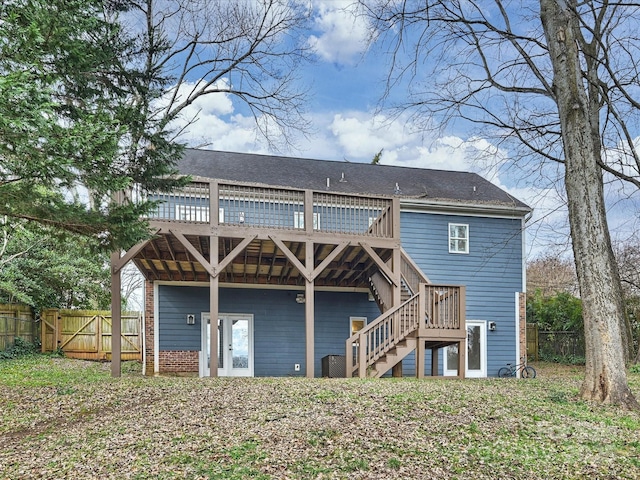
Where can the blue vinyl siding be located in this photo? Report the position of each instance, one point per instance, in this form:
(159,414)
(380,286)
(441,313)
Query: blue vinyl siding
(491,271)
(279,323)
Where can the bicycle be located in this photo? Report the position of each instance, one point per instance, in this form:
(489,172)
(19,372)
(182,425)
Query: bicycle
(511,370)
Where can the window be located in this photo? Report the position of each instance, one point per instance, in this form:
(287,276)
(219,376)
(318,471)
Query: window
(357,324)
(192,213)
(458,238)
(298,220)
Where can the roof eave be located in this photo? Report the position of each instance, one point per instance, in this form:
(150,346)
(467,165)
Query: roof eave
(443,206)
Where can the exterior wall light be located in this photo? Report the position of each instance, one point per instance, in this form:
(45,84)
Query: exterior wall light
(492,326)
(300,298)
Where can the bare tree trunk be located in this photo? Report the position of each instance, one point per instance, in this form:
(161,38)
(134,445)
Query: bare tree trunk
(605,378)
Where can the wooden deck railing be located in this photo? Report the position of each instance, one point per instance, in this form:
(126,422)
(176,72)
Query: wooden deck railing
(276,208)
(445,305)
(443,309)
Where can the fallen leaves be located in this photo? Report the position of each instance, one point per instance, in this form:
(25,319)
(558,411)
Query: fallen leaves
(137,427)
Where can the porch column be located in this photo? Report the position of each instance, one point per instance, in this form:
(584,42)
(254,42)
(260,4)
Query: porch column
(214,306)
(214,283)
(396,371)
(420,358)
(434,362)
(116,316)
(309,313)
(462,358)
(422,331)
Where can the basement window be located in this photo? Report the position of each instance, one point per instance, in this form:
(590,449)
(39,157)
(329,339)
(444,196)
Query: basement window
(458,238)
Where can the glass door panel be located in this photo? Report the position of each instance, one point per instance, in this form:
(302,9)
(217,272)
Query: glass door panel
(476,352)
(235,345)
(240,344)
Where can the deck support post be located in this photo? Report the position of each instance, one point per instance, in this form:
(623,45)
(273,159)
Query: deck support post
(462,358)
(434,361)
(116,316)
(214,280)
(420,358)
(214,306)
(309,314)
(396,370)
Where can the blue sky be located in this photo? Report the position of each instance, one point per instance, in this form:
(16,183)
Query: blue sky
(346,86)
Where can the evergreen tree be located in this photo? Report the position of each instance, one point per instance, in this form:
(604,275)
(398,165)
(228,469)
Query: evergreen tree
(75,122)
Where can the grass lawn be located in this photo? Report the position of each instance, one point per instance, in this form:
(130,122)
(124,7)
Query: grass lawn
(62,418)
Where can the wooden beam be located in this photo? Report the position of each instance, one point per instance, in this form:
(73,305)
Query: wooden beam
(233,254)
(132,252)
(193,251)
(116,317)
(214,306)
(169,247)
(329,258)
(309,315)
(434,362)
(292,258)
(380,263)
(258,262)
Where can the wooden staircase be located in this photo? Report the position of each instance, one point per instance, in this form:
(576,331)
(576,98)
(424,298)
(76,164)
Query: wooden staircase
(428,313)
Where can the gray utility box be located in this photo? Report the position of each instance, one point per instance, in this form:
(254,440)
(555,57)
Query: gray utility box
(333,366)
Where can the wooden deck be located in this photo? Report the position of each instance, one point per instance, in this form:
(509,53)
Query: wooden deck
(266,235)
(263,235)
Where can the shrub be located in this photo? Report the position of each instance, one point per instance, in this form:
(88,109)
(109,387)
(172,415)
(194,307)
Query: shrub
(20,348)
(563,359)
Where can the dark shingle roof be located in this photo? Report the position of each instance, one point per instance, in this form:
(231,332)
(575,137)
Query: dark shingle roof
(427,185)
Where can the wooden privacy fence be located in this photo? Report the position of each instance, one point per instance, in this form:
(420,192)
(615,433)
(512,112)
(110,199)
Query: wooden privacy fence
(86,334)
(553,344)
(16,321)
(532,342)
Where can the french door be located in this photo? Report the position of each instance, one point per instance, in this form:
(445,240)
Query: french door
(476,352)
(235,345)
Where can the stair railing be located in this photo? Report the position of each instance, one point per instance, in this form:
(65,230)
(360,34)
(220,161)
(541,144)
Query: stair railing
(383,290)
(378,337)
(412,275)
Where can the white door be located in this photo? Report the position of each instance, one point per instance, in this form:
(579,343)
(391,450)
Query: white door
(235,345)
(476,352)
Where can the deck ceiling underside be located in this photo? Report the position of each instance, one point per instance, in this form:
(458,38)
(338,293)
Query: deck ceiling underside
(166,258)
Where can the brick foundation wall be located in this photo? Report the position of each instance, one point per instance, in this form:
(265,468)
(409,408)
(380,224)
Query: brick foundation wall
(148,327)
(179,362)
(522,324)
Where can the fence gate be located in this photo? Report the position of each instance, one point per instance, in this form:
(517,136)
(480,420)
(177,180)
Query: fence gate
(86,334)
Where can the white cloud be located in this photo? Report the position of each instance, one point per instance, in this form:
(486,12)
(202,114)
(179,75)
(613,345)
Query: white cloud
(211,122)
(342,36)
(362,134)
(357,136)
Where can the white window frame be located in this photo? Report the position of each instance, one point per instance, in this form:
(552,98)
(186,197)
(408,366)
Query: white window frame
(298,220)
(454,242)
